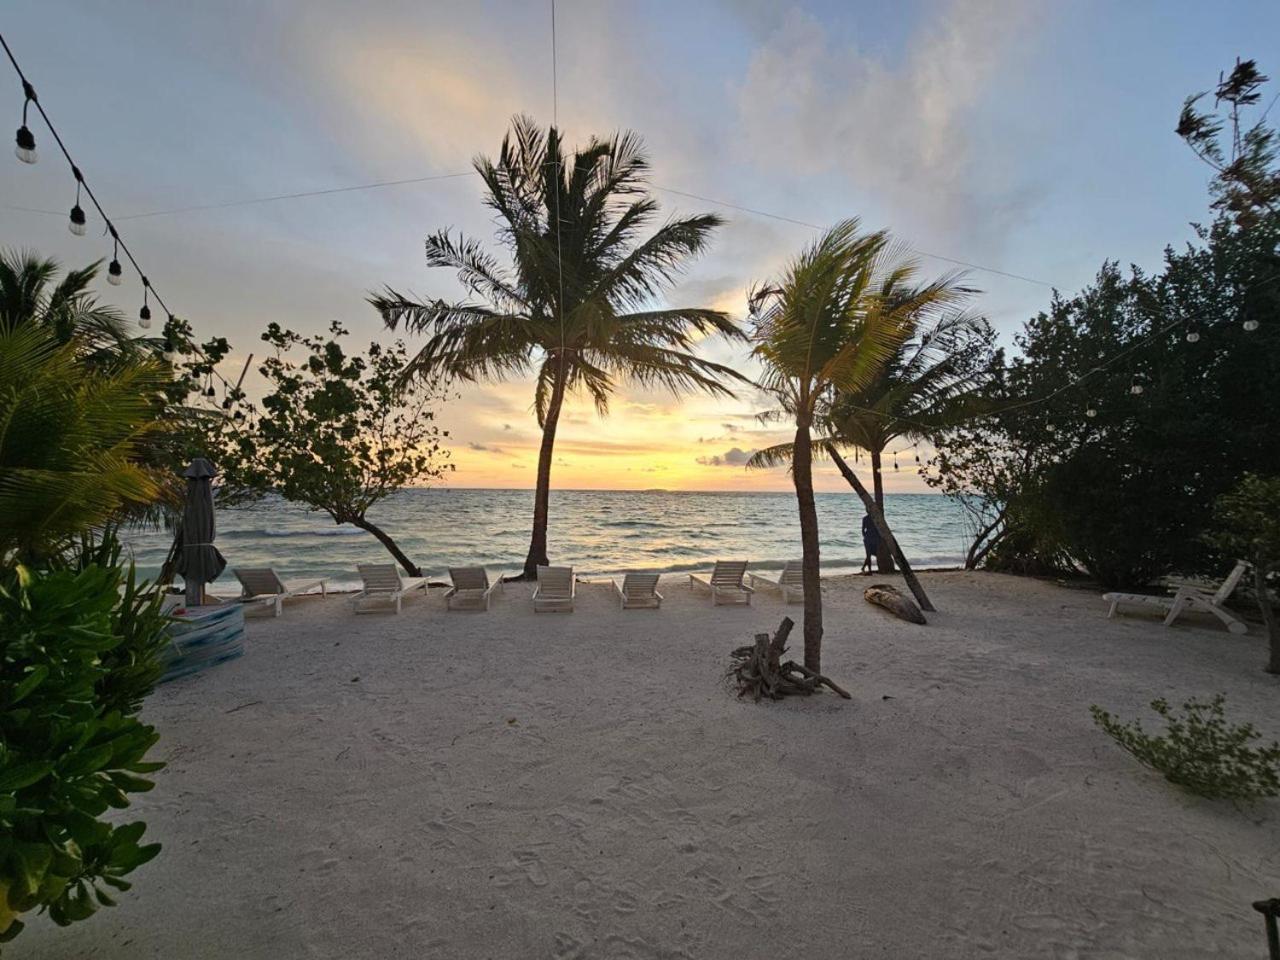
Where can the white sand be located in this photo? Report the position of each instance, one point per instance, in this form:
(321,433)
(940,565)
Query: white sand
(583,786)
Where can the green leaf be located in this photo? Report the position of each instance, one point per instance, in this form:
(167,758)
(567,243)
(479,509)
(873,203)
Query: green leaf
(33,680)
(24,775)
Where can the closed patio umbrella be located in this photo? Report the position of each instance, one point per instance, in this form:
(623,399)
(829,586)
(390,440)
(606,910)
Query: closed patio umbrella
(198,561)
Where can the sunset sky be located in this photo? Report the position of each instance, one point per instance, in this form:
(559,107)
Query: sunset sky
(1031,137)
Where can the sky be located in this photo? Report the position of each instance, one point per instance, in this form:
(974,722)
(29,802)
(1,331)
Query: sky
(1029,137)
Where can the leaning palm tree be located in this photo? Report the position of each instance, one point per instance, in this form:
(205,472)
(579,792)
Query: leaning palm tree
(931,382)
(32,293)
(827,326)
(578,306)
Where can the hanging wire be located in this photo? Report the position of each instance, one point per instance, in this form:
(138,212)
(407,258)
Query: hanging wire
(559,174)
(148,290)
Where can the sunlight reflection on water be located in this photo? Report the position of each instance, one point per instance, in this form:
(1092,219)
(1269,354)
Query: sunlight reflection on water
(598,532)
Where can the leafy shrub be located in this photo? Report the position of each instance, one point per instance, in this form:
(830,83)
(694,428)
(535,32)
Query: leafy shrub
(1247,525)
(1201,751)
(134,665)
(70,745)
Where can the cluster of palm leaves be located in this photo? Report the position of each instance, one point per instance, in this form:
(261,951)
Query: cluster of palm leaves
(79,404)
(855,348)
(578,307)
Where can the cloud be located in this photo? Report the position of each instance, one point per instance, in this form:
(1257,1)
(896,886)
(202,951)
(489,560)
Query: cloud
(733,457)
(484,449)
(903,130)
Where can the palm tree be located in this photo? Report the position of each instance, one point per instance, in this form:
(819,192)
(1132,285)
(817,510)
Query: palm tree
(31,293)
(71,440)
(577,308)
(930,382)
(830,324)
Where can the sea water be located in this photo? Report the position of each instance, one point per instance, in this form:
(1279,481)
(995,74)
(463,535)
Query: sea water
(597,532)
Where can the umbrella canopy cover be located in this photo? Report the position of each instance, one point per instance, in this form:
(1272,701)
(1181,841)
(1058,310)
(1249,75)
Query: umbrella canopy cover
(198,561)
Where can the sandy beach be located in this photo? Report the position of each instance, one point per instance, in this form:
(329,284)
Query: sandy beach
(502,785)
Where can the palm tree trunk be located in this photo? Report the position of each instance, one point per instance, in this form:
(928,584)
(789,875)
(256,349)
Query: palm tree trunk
(882,525)
(393,548)
(884,555)
(537,555)
(802,475)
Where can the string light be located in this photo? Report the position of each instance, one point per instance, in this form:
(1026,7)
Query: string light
(1091,411)
(1250,325)
(77,223)
(1193,332)
(1136,385)
(144,315)
(114,274)
(26,141)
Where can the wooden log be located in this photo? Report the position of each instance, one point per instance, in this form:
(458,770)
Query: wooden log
(817,679)
(893,600)
(758,671)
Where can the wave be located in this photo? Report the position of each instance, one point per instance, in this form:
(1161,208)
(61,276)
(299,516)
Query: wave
(283,532)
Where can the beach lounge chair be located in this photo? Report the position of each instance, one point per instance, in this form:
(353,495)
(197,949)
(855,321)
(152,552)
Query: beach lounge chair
(638,591)
(262,586)
(1189,596)
(471,588)
(555,590)
(726,583)
(383,584)
(790,582)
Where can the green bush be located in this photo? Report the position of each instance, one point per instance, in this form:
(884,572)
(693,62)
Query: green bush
(73,667)
(1201,751)
(134,665)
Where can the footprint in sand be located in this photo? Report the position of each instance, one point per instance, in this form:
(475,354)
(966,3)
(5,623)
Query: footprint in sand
(531,864)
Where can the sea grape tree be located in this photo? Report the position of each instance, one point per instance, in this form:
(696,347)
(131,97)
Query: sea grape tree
(336,431)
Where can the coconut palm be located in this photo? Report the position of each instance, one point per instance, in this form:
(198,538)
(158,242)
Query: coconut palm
(830,324)
(931,381)
(577,308)
(32,293)
(71,440)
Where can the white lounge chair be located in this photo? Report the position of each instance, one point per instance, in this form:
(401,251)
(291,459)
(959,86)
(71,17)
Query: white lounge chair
(638,591)
(471,588)
(262,586)
(555,590)
(1190,596)
(726,584)
(790,582)
(383,584)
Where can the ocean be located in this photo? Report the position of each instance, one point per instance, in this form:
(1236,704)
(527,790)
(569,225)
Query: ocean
(598,532)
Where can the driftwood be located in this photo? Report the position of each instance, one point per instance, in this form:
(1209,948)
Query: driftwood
(759,671)
(893,600)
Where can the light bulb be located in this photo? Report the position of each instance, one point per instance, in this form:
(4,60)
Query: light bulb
(1193,335)
(1050,427)
(115,276)
(26,145)
(144,317)
(77,222)
(1091,413)
(1136,389)
(1250,325)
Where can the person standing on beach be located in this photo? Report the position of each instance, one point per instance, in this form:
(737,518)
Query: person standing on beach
(870,541)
